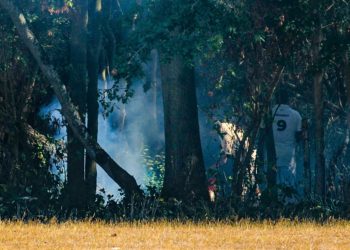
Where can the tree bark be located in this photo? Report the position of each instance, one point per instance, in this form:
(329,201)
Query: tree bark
(154,84)
(77,91)
(184,167)
(35,137)
(346,186)
(93,149)
(151,85)
(241,163)
(94,50)
(320,167)
(109,35)
(307,169)
(271,153)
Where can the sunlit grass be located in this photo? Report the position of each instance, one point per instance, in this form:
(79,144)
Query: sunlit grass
(173,235)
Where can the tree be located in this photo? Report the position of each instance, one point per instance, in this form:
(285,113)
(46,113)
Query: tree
(94,46)
(93,149)
(177,39)
(77,91)
(319,109)
(184,177)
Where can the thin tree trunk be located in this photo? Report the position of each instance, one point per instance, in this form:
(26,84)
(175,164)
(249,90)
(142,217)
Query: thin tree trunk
(240,163)
(93,149)
(152,140)
(347,149)
(320,167)
(271,154)
(77,91)
(94,49)
(14,135)
(184,167)
(109,35)
(307,169)
(154,84)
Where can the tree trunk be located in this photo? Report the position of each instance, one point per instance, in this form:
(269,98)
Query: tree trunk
(320,167)
(152,141)
(184,167)
(270,153)
(307,169)
(9,132)
(94,49)
(154,88)
(154,85)
(109,35)
(347,148)
(77,91)
(93,149)
(240,162)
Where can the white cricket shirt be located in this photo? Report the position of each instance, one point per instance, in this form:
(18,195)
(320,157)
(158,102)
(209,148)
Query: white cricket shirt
(286,123)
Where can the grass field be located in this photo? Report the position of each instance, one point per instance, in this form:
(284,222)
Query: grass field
(163,235)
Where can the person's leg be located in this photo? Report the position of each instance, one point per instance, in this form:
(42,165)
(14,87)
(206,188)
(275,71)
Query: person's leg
(286,181)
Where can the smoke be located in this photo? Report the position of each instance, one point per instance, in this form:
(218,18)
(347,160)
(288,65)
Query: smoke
(125,133)
(53,111)
(209,110)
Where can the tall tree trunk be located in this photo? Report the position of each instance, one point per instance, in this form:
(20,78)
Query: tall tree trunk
(94,49)
(184,167)
(347,139)
(152,141)
(77,91)
(320,167)
(9,137)
(93,149)
(109,34)
(154,85)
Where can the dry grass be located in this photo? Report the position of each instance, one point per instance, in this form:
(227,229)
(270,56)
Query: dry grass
(163,235)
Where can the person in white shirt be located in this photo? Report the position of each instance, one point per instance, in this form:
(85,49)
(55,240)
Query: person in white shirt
(287,132)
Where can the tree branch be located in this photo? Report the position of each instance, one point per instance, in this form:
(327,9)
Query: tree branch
(34,137)
(93,149)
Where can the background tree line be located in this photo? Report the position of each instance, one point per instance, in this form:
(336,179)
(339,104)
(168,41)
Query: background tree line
(245,51)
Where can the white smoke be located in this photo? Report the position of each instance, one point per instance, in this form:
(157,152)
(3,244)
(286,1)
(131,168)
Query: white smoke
(53,111)
(123,142)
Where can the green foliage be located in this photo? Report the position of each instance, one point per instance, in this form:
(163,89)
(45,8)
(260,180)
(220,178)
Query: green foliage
(181,27)
(155,167)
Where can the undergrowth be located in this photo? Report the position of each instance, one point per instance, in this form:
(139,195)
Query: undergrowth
(154,208)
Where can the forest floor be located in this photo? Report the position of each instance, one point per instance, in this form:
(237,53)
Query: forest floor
(175,235)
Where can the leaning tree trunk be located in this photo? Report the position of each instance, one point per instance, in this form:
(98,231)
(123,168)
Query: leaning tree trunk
(320,167)
(94,49)
(93,149)
(184,167)
(77,91)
